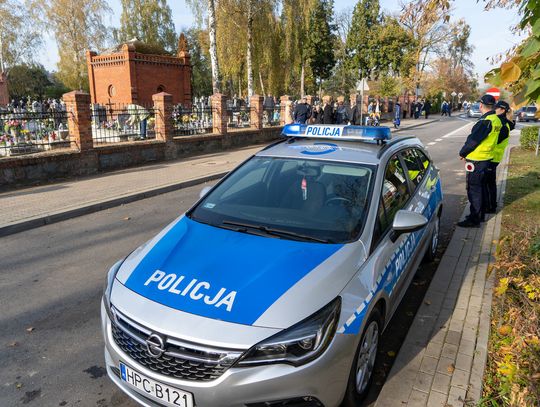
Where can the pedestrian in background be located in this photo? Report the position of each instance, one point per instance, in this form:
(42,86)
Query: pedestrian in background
(397,115)
(503,111)
(328,113)
(427,108)
(302,112)
(341,113)
(138,115)
(478,153)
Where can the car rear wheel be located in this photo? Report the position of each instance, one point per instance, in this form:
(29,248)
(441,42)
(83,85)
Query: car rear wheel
(364,361)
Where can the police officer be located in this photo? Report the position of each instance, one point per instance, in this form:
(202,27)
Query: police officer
(505,115)
(478,152)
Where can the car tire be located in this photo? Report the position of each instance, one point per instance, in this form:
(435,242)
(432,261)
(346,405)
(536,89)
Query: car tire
(431,251)
(364,361)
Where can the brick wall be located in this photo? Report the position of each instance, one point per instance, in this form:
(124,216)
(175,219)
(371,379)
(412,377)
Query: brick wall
(73,163)
(128,76)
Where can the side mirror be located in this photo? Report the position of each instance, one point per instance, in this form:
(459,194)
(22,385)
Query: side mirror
(205,190)
(407,222)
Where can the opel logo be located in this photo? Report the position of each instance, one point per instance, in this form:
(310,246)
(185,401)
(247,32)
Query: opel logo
(155,345)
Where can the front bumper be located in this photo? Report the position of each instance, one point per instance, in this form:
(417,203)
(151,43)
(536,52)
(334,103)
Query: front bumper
(324,379)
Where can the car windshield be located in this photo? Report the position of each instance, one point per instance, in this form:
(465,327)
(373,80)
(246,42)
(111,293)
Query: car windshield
(475,106)
(297,199)
(530,109)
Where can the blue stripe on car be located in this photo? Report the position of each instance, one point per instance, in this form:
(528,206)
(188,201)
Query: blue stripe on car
(405,250)
(223,274)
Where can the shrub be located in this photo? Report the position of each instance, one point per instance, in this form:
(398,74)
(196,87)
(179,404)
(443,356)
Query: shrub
(528,137)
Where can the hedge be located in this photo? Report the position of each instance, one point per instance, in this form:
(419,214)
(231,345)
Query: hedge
(529,137)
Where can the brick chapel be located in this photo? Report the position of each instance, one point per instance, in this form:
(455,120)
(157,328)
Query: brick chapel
(131,74)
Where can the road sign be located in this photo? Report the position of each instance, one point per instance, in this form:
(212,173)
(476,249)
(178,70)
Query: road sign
(495,92)
(362,85)
(453,94)
(460,95)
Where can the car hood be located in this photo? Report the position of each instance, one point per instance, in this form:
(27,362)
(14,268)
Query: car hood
(234,277)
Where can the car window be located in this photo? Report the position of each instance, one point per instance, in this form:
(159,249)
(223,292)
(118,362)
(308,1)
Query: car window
(395,192)
(415,168)
(318,199)
(530,109)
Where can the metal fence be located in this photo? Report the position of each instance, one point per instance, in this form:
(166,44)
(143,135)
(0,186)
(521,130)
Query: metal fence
(238,116)
(32,132)
(120,123)
(189,122)
(271,116)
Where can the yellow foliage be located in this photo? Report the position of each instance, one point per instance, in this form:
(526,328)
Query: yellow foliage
(502,287)
(505,330)
(510,72)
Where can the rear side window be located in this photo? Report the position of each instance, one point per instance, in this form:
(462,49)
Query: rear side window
(415,169)
(395,193)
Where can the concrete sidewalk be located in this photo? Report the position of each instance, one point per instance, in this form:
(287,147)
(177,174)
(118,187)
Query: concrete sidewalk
(442,360)
(37,206)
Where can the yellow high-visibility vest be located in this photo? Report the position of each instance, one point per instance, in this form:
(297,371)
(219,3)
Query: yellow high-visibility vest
(484,151)
(498,150)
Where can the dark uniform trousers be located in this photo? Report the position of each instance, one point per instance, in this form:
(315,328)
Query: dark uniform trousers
(490,204)
(477,190)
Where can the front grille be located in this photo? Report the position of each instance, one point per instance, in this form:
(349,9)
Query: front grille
(180,360)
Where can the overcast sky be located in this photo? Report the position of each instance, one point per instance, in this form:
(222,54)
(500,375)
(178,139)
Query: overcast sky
(490,30)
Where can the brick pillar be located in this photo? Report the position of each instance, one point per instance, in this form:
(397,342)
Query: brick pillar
(219,113)
(285,114)
(163,106)
(79,119)
(256,111)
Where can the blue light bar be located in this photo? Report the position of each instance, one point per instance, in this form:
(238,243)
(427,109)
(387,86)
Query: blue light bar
(343,132)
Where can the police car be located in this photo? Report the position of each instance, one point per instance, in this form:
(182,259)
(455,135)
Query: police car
(274,288)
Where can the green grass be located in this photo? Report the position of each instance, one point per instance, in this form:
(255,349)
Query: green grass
(513,370)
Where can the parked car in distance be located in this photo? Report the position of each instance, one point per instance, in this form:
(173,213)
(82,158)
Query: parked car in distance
(526,113)
(474,110)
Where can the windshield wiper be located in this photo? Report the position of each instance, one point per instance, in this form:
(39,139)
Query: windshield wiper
(273,231)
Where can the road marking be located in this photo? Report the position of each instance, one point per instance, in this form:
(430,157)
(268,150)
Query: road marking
(456,131)
(438,139)
(432,143)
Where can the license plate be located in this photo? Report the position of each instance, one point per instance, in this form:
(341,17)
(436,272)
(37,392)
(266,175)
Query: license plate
(167,394)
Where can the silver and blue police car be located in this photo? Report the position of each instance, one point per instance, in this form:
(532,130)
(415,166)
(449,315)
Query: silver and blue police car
(274,288)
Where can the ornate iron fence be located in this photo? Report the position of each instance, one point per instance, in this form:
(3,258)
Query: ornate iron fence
(271,116)
(32,132)
(238,116)
(119,123)
(189,122)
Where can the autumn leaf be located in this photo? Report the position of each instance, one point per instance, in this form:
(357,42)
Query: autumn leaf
(510,72)
(451,368)
(505,330)
(391,353)
(30,329)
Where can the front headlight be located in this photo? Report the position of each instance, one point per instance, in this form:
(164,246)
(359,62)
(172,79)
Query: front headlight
(111,275)
(298,344)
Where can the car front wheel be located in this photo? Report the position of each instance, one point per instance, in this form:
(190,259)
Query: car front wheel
(431,252)
(364,361)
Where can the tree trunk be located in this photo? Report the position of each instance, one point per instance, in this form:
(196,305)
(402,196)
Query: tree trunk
(302,74)
(249,49)
(262,84)
(216,86)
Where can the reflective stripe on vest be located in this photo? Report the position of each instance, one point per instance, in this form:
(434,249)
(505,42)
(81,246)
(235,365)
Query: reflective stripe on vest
(498,150)
(484,151)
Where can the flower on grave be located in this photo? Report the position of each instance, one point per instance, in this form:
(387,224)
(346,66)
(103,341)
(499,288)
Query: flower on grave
(185,118)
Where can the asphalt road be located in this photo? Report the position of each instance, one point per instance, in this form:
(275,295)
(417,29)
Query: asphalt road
(52,277)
